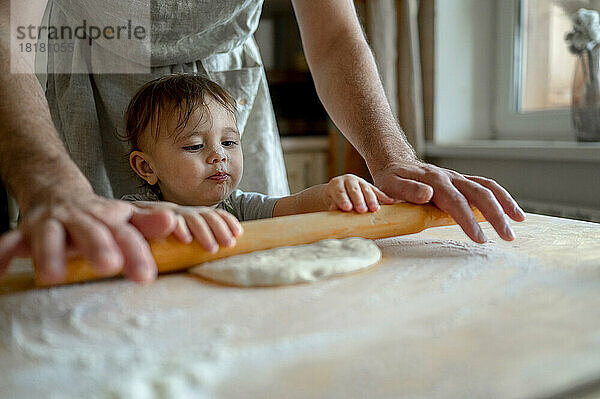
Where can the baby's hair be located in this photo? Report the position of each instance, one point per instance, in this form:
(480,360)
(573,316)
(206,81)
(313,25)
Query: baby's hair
(178,93)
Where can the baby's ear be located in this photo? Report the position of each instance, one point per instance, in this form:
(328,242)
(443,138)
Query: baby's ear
(140,164)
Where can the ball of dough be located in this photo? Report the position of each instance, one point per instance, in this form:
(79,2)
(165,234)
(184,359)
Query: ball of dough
(291,265)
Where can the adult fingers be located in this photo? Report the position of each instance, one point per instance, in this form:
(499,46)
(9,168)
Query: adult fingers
(452,201)
(453,195)
(400,184)
(356,195)
(139,265)
(94,241)
(509,205)
(483,198)
(48,250)
(156,223)
(12,245)
(153,223)
(129,226)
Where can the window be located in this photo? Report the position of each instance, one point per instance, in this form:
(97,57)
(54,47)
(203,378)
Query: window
(547,66)
(534,70)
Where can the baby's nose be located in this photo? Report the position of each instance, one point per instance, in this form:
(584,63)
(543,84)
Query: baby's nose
(216,156)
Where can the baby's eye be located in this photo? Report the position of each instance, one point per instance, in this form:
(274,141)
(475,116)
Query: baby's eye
(195,147)
(229,143)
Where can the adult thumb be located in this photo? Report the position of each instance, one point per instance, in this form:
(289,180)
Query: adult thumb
(12,245)
(406,189)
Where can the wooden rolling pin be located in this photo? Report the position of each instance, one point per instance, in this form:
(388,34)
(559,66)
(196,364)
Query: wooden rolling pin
(390,220)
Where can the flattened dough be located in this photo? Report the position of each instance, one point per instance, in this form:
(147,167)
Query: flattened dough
(291,265)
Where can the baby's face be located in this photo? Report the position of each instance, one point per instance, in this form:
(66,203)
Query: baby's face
(204,164)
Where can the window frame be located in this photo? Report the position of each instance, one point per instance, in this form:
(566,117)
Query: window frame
(508,123)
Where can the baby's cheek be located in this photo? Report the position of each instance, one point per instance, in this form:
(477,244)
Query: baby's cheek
(237,177)
(186,175)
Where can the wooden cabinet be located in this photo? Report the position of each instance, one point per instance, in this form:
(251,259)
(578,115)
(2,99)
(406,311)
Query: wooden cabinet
(313,149)
(306,161)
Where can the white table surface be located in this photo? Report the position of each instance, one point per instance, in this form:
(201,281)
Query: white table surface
(439,317)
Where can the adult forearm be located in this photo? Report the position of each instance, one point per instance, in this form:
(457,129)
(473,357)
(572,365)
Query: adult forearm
(34,163)
(348,84)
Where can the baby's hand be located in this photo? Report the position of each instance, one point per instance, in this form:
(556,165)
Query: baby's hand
(210,227)
(348,192)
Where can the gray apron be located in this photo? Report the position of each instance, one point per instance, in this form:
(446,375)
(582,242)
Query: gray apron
(213,37)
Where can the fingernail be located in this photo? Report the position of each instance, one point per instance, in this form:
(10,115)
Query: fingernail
(509,232)
(115,259)
(148,274)
(423,194)
(213,248)
(55,271)
(481,236)
(54,265)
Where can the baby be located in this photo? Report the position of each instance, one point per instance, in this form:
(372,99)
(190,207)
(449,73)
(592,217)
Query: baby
(186,147)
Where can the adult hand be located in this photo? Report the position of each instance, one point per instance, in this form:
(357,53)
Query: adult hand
(109,234)
(452,192)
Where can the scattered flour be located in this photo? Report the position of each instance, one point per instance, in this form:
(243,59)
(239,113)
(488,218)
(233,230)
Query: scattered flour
(90,330)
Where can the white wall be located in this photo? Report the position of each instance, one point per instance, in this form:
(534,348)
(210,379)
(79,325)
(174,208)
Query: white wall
(464,59)
(464,93)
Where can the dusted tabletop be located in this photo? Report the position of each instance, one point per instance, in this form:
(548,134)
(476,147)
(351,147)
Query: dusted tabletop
(440,316)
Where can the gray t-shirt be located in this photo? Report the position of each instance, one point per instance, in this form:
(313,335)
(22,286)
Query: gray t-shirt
(243,205)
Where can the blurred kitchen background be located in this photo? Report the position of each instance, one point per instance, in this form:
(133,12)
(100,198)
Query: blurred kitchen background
(483,87)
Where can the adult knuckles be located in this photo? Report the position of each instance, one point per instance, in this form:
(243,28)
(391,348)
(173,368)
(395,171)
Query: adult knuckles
(403,169)
(450,199)
(42,215)
(434,175)
(101,207)
(338,191)
(454,174)
(484,192)
(70,211)
(484,180)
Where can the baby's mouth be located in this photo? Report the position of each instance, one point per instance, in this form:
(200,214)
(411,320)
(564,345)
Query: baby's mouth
(220,176)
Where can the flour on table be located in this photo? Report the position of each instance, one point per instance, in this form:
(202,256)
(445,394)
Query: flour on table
(109,340)
(290,265)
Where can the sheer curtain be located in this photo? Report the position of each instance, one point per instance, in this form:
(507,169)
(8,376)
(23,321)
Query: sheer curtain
(401,36)
(400,33)
(415,69)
